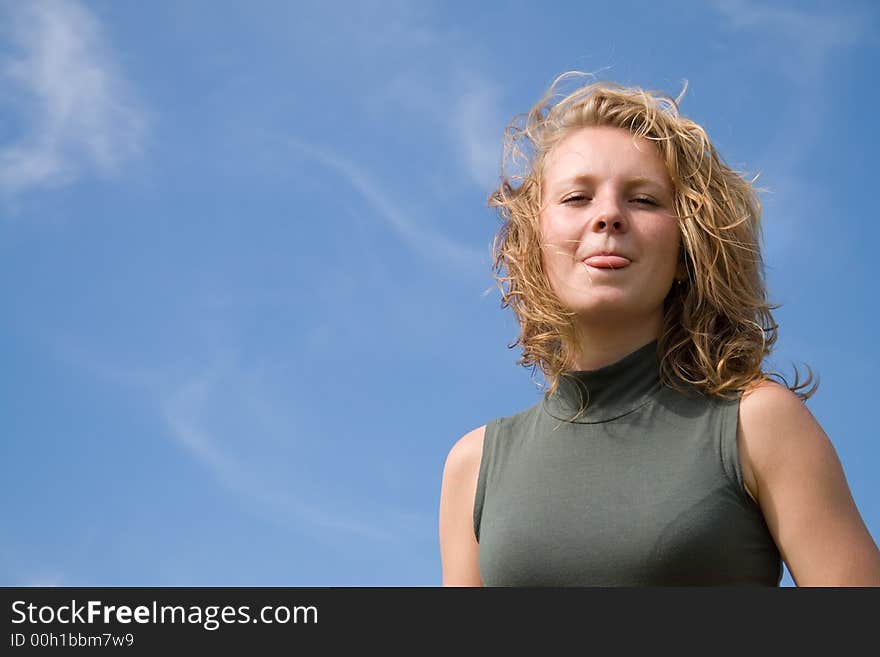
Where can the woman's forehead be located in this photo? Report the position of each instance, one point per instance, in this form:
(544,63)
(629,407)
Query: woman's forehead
(600,152)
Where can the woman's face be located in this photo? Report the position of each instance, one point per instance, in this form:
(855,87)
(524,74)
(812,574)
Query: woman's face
(606,191)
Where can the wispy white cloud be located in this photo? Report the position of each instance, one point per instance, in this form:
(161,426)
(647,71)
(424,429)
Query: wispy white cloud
(810,33)
(420,238)
(244,463)
(803,47)
(186,411)
(800,46)
(478,129)
(222,416)
(41,581)
(75,111)
(390,25)
(464,105)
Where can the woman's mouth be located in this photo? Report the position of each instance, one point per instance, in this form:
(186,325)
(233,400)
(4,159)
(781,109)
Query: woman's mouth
(607,262)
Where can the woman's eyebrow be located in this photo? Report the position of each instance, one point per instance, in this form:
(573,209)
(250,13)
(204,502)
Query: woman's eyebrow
(631,182)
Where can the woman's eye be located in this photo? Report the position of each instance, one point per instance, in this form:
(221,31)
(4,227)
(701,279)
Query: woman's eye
(578,198)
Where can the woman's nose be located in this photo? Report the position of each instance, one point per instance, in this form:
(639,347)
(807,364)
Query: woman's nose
(608,215)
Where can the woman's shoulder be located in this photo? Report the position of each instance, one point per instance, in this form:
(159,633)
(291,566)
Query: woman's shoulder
(767,399)
(465,454)
(467,451)
(772,420)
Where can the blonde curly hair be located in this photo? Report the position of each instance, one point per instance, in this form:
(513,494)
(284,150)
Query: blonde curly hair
(717,324)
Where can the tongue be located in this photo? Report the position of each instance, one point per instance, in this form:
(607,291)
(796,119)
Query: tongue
(607,261)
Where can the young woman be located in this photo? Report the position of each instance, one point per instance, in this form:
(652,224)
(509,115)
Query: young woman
(661,453)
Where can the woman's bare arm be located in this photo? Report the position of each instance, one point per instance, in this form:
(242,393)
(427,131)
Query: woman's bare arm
(458,545)
(803,493)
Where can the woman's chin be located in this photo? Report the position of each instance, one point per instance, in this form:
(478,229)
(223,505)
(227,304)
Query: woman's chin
(613,301)
(613,308)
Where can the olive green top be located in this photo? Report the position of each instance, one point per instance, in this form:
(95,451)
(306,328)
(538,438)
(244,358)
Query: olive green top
(644,488)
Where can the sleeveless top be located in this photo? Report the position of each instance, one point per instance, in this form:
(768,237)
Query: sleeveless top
(644,488)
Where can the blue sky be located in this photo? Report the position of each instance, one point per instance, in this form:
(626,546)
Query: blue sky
(245,261)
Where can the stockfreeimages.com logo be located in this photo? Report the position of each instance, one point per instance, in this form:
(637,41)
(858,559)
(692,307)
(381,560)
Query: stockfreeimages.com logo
(210,617)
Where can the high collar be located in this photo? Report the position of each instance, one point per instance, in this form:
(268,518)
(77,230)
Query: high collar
(608,392)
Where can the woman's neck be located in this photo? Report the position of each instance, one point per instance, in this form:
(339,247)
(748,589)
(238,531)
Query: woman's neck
(601,345)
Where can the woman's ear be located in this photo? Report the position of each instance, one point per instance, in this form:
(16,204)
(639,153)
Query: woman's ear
(681,272)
